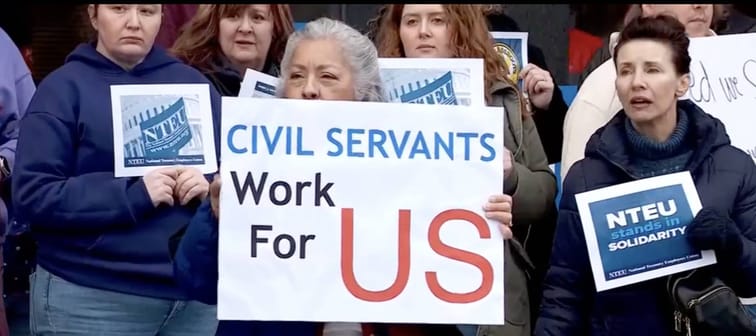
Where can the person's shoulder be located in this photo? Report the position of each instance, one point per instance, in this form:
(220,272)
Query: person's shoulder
(67,75)
(5,40)
(186,73)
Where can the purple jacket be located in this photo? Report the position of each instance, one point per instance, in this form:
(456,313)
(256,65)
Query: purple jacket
(16,90)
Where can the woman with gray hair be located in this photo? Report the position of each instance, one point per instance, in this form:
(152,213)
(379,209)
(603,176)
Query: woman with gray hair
(326,60)
(351,57)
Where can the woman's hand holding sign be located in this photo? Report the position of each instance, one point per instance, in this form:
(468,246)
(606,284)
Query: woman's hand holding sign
(171,184)
(499,208)
(215,195)
(539,86)
(159,184)
(712,230)
(190,184)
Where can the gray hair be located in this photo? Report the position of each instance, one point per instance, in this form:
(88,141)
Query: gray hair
(359,51)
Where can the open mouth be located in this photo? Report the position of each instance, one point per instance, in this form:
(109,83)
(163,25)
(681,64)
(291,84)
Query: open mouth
(640,102)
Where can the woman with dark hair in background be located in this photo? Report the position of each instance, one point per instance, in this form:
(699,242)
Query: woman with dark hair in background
(653,134)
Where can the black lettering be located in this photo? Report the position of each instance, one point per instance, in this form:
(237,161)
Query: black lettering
(701,86)
(256,189)
(750,77)
(300,187)
(249,183)
(256,239)
(730,88)
(287,193)
(277,246)
(322,192)
(303,244)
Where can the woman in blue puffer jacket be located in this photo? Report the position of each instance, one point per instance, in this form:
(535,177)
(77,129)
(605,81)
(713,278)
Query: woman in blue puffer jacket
(655,134)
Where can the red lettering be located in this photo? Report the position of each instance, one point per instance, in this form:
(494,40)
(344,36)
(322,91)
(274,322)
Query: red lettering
(460,255)
(347,259)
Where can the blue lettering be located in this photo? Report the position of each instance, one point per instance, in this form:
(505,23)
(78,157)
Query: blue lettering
(271,143)
(487,147)
(254,139)
(352,141)
(448,146)
(335,142)
(230,139)
(467,136)
(288,140)
(399,148)
(420,146)
(300,145)
(374,143)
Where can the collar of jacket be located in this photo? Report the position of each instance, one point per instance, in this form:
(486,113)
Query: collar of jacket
(610,142)
(505,94)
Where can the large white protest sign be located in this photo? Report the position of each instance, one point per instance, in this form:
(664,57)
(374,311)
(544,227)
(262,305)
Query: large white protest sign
(447,81)
(635,231)
(258,84)
(723,83)
(359,211)
(161,125)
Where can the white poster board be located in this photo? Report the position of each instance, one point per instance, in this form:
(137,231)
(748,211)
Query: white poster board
(258,84)
(445,81)
(442,81)
(388,226)
(723,83)
(635,231)
(162,125)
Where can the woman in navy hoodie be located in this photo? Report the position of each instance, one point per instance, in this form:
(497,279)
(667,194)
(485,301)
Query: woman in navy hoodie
(353,74)
(104,267)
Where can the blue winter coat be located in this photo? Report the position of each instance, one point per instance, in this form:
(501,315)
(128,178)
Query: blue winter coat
(725,178)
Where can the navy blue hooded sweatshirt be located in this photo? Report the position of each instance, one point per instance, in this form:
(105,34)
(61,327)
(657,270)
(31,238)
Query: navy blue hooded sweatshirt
(93,229)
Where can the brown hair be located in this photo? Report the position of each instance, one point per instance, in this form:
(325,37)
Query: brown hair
(469,39)
(198,43)
(662,28)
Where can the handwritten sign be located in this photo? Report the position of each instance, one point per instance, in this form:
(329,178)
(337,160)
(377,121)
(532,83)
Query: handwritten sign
(329,213)
(635,231)
(161,125)
(723,83)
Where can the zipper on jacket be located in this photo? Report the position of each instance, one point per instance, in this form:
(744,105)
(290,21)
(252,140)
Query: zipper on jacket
(680,319)
(687,327)
(693,302)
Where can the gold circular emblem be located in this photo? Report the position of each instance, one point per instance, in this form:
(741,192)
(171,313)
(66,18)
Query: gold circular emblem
(510,59)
